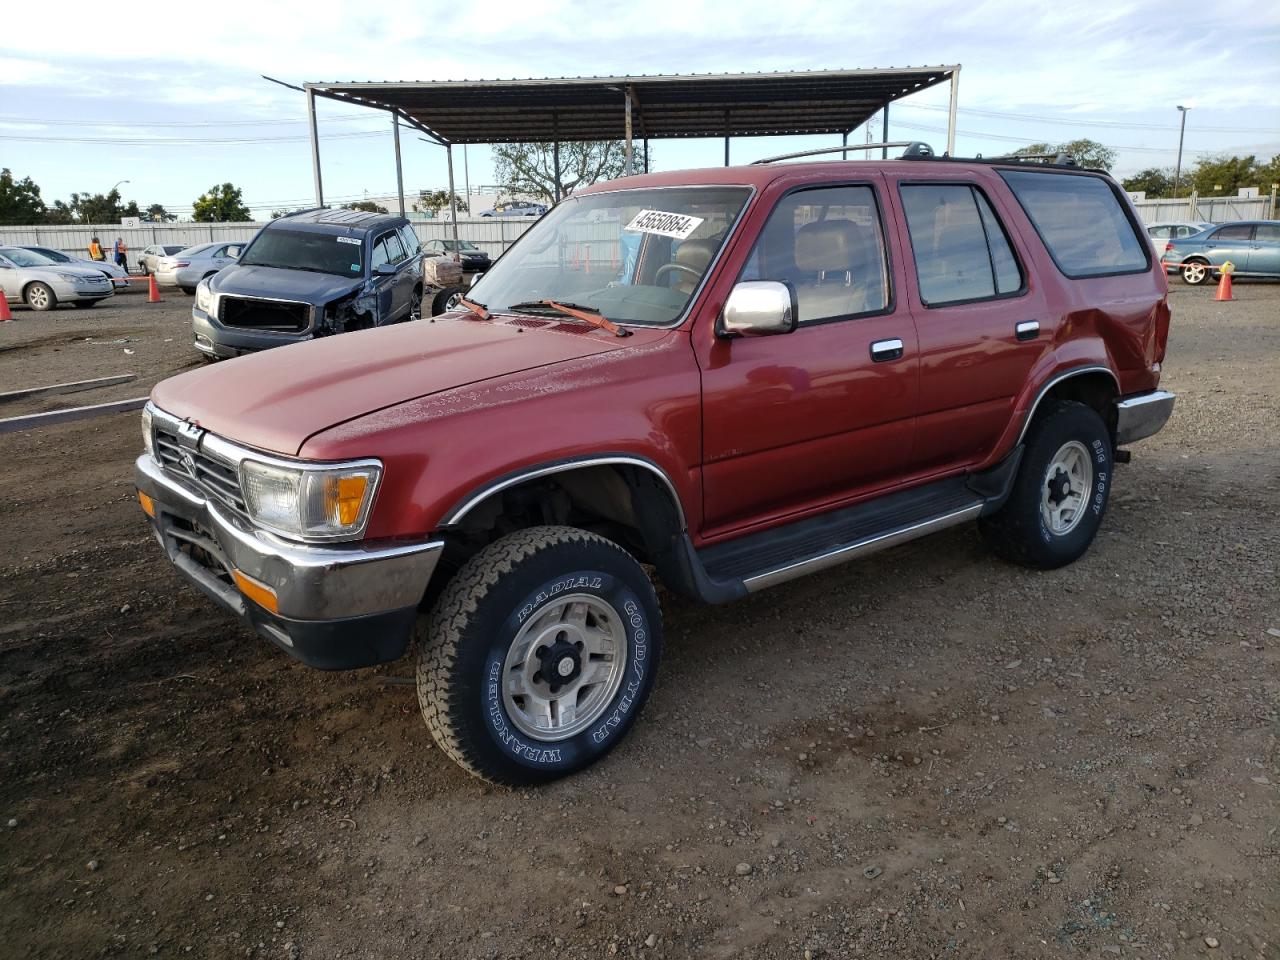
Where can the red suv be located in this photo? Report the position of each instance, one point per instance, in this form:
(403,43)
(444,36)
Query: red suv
(720,379)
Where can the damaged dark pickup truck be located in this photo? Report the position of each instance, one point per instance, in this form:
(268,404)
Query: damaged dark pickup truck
(315,274)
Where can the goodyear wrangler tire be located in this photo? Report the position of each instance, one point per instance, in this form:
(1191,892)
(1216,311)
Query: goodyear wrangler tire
(1060,495)
(539,654)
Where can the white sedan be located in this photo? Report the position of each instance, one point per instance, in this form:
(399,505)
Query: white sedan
(187,268)
(42,284)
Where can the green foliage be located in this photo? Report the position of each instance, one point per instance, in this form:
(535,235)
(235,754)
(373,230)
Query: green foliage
(156,213)
(1154,181)
(433,201)
(528,169)
(1087,153)
(221,203)
(20,201)
(368,206)
(1223,176)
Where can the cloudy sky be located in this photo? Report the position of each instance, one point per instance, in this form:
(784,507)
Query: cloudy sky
(172,99)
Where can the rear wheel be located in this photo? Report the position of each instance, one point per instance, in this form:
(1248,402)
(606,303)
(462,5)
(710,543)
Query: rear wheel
(538,655)
(40,296)
(1195,272)
(1061,491)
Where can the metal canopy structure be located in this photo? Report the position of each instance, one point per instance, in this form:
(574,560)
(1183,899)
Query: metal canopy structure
(571,109)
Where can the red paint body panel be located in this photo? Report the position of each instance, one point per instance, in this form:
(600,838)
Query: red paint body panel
(751,432)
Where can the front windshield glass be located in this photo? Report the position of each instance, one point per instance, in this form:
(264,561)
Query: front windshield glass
(460,245)
(305,250)
(635,256)
(25,258)
(171,250)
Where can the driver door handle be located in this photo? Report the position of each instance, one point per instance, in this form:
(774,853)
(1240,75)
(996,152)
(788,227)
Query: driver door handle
(884,350)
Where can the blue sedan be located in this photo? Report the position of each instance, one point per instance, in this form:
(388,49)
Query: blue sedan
(1252,245)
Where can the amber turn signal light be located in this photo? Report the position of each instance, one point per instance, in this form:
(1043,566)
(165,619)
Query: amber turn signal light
(148,505)
(259,593)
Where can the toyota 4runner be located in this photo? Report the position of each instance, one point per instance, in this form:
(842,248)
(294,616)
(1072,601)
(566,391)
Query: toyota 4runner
(721,379)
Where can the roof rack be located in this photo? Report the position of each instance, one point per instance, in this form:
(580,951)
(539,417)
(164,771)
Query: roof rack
(914,150)
(1058,159)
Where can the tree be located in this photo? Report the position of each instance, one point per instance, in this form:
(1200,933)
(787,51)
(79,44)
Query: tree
(433,201)
(1087,153)
(20,201)
(156,213)
(1154,182)
(528,169)
(368,206)
(221,203)
(1223,176)
(99,208)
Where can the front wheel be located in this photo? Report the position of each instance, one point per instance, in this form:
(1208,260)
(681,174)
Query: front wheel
(1061,491)
(1195,272)
(40,296)
(539,654)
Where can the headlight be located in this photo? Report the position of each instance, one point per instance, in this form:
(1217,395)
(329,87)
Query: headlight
(204,296)
(73,277)
(147,437)
(328,502)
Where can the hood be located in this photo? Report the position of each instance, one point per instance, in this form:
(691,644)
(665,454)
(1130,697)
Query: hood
(276,399)
(73,269)
(282,284)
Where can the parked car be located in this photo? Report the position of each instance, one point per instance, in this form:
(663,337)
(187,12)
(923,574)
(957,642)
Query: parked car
(518,208)
(803,363)
(42,284)
(313,274)
(116,274)
(1253,246)
(149,259)
(186,268)
(1165,231)
(472,258)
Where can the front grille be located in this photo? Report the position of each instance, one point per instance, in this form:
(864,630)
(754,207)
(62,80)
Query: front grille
(277,315)
(200,545)
(209,475)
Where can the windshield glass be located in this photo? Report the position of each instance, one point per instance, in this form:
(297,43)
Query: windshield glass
(304,250)
(460,245)
(636,256)
(25,258)
(171,250)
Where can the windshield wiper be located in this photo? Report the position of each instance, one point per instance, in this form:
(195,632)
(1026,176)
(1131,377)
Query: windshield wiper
(479,309)
(576,310)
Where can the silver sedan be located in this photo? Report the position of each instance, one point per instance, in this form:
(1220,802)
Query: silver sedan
(42,284)
(187,268)
(119,277)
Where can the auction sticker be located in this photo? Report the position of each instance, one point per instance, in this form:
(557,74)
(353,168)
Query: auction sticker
(664,224)
(355,240)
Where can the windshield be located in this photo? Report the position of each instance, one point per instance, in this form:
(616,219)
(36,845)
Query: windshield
(57,256)
(460,245)
(171,250)
(304,250)
(25,258)
(635,256)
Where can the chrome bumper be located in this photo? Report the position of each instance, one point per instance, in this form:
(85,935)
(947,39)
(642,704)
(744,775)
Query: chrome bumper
(1142,416)
(311,583)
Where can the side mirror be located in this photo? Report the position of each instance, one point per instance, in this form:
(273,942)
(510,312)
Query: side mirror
(474,278)
(385,270)
(758,308)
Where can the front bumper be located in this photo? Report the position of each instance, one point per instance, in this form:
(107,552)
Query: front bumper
(338,607)
(223,342)
(68,291)
(1142,416)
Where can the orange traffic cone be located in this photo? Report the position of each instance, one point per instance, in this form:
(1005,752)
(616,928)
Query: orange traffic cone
(1224,287)
(4,307)
(153,291)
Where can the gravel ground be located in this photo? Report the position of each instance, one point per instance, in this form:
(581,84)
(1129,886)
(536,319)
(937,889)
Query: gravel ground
(927,753)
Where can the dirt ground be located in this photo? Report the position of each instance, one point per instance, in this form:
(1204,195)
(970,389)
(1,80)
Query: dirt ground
(927,753)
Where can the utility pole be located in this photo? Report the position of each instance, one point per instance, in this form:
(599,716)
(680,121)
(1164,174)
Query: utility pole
(1182,129)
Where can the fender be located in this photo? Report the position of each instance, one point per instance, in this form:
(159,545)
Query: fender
(1056,379)
(456,513)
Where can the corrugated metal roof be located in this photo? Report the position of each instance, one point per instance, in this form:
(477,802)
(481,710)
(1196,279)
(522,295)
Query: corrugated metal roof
(591,108)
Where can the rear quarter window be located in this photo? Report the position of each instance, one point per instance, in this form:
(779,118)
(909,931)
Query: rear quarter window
(1081,221)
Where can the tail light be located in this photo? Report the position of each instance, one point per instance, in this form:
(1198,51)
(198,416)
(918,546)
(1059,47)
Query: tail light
(182,263)
(1169,248)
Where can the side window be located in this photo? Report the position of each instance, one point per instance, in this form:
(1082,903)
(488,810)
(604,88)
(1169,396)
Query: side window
(386,249)
(1268,232)
(1235,231)
(827,243)
(1081,221)
(410,239)
(961,250)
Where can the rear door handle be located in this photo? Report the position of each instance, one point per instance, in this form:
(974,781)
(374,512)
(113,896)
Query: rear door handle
(1027,330)
(883,350)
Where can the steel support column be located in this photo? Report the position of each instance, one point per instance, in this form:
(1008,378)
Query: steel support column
(951,111)
(395,130)
(315,146)
(453,202)
(884,133)
(629,160)
(646,154)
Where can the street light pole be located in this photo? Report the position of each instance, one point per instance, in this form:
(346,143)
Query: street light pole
(1182,129)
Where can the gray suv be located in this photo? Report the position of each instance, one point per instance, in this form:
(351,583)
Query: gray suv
(308,275)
